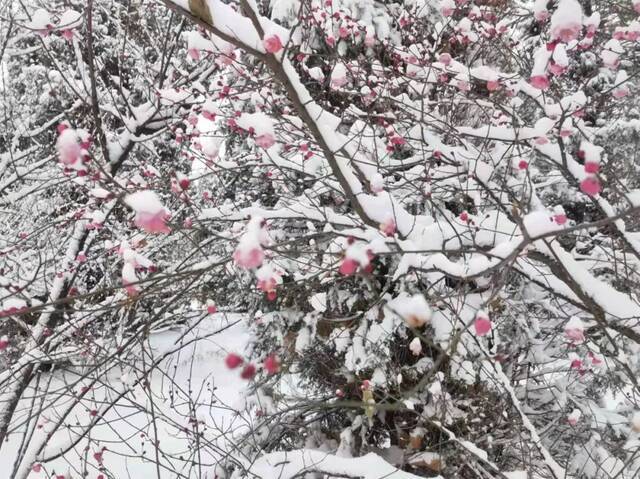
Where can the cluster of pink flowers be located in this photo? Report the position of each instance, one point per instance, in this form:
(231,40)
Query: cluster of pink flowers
(271,365)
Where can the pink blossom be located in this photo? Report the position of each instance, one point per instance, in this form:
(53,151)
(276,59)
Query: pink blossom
(463,85)
(595,360)
(272,44)
(152,222)
(577,364)
(482,325)
(445,59)
(36,467)
(541,82)
(574,417)
(194,53)
(348,267)
(591,167)
(556,69)
(69,149)
(464,216)
(248,372)
(590,186)
(620,92)
(560,219)
(267,285)
(4,342)
(212,308)
(541,16)
(575,335)
(388,227)
(493,85)
(523,165)
(248,258)
(67,34)
(574,330)
(566,32)
(232,360)
(265,140)
(272,364)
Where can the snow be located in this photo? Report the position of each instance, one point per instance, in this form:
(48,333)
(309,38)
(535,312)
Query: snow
(40,20)
(198,355)
(290,464)
(144,201)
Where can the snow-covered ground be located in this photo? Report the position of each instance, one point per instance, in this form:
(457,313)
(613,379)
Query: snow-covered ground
(191,382)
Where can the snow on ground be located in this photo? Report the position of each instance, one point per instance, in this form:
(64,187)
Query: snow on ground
(191,382)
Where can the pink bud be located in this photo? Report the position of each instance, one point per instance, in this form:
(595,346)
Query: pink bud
(212,309)
(272,364)
(445,59)
(233,361)
(464,216)
(36,467)
(388,227)
(482,325)
(541,82)
(523,165)
(248,372)
(248,258)
(493,85)
(590,186)
(272,44)
(560,219)
(591,167)
(348,267)
(265,141)
(152,222)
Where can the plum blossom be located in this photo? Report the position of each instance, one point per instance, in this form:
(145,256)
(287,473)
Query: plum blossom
(574,417)
(566,22)
(540,12)
(249,253)
(69,148)
(415,346)
(272,364)
(482,324)
(339,76)
(150,216)
(414,310)
(610,54)
(574,330)
(356,256)
(590,186)
(447,7)
(388,226)
(69,21)
(233,360)
(129,278)
(621,88)
(272,44)
(541,82)
(248,372)
(268,280)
